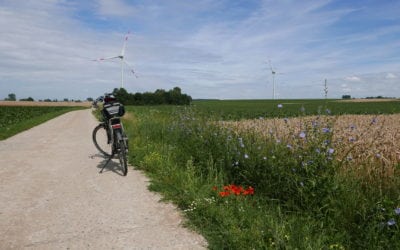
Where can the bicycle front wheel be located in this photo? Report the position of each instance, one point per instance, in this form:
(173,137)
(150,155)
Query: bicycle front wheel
(122,153)
(101,141)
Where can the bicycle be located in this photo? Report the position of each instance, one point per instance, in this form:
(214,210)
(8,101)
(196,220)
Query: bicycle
(109,136)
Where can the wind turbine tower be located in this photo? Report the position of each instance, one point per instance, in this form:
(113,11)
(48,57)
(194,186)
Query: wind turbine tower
(273,73)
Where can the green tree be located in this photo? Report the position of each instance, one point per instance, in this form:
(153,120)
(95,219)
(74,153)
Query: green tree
(122,96)
(138,99)
(160,96)
(175,95)
(346,96)
(29,99)
(11,97)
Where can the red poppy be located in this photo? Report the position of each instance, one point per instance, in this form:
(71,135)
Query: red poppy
(237,190)
(249,191)
(224,193)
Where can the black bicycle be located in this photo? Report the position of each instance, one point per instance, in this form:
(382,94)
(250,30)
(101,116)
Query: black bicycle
(109,136)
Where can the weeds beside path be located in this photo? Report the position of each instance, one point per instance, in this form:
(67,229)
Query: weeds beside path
(245,190)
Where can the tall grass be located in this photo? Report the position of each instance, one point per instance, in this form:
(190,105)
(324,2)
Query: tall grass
(301,197)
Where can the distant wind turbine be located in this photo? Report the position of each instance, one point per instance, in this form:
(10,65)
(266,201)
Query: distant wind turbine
(121,56)
(273,73)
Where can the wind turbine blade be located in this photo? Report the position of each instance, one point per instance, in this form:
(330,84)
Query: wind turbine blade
(124,45)
(130,68)
(270,66)
(105,58)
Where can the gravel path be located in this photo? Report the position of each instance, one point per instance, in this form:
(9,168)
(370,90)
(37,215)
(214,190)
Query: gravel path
(52,196)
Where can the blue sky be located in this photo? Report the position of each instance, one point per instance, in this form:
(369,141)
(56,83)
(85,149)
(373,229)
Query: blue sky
(209,48)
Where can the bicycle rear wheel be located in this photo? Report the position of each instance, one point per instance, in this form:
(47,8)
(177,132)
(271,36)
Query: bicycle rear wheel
(122,153)
(100,140)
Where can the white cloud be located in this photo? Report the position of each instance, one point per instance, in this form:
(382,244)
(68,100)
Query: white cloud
(390,76)
(115,8)
(352,78)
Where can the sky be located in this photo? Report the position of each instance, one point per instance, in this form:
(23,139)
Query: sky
(211,49)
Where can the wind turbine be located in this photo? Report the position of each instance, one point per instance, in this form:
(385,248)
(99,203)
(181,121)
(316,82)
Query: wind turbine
(273,73)
(121,56)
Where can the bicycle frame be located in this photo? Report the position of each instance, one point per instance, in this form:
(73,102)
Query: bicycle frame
(113,124)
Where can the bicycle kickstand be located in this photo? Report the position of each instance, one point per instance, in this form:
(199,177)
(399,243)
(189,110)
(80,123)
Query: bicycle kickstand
(105,164)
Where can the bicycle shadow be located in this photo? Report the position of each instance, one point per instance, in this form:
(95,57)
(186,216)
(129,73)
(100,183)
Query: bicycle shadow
(113,165)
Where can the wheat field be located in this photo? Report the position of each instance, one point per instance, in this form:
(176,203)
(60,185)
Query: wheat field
(358,140)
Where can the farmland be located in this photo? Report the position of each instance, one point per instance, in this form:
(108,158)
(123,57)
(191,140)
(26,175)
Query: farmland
(45,104)
(356,138)
(249,109)
(14,119)
(322,174)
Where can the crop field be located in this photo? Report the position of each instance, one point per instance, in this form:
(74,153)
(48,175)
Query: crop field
(249,109)
(14,119)
(284,174)
(45,104)
(357,139)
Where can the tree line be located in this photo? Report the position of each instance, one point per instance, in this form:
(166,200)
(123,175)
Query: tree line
(159,97)
(13,97)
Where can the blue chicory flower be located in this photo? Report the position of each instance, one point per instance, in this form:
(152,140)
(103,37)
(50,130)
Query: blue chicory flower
(391,222)
(314,124)
(326,130)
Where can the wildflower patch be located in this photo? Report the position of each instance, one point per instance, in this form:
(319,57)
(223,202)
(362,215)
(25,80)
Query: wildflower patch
(234,190)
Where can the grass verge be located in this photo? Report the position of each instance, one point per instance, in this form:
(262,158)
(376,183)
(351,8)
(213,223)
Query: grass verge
(301,199)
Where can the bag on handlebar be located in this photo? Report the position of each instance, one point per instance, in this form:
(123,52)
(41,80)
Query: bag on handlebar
(115,109)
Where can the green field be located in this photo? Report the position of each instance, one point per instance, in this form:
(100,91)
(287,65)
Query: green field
(15,119)
(303,197)
(249,109)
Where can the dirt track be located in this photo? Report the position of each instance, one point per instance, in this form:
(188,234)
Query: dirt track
(52,196)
